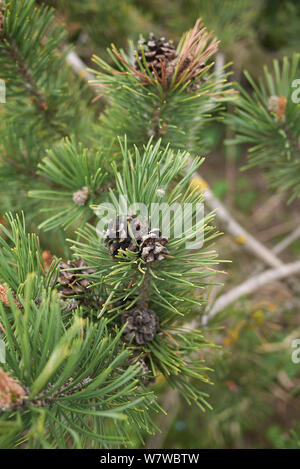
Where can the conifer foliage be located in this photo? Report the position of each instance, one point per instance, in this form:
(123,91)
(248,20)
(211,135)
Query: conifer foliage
(269,121)
(86,335)
(89,333)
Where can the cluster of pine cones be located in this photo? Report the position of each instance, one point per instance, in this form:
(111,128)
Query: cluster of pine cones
(130,233)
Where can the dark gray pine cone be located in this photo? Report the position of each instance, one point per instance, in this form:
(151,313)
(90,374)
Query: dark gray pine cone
(125,232)
(142,324)
(157,52)
(130,233)
(153,246)
(70,281)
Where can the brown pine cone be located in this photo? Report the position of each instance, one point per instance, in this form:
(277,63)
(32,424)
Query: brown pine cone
(153,246)
(142,325)
(70,283)
(158,52)
(124,233)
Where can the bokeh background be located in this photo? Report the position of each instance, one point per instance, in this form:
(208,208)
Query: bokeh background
(255,397)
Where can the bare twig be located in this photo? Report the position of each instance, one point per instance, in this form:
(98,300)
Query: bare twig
(277,230)
(241,236)
(250,285)
(287,241)
(266,211)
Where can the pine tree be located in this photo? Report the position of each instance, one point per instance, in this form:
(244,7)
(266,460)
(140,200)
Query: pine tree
(91,326)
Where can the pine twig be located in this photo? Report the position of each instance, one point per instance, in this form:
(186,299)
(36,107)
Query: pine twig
(37,95)
(250,285)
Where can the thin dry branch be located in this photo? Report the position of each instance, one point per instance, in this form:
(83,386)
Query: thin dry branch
(287,241)
(251,285)
(241,236)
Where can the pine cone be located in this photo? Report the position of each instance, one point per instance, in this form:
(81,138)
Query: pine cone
(142,325)
(130,233)
(70,283)
(118,234)
(157,52)
(153,246)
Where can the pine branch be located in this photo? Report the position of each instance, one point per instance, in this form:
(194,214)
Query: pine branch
(29,83)
(26,74)
(170,98)
(246,240)
(77,180)
(269,121)
(44,99)
(72,372)
(165,285)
